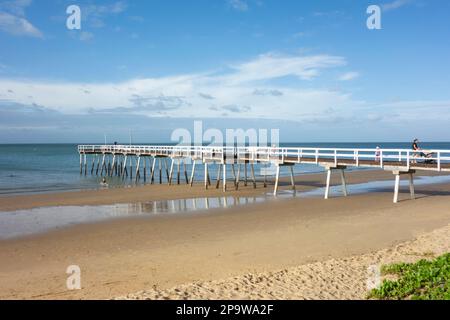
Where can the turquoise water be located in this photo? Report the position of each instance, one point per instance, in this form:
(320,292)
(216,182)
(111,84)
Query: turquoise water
(55,167)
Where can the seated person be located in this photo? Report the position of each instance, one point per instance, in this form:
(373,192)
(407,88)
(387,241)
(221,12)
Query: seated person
(420,152)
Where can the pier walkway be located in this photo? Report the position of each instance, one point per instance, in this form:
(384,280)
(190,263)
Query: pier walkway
(118,160)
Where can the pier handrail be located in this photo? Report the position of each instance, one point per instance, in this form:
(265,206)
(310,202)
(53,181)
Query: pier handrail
(382,157)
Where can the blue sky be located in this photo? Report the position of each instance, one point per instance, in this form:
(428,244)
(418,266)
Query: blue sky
(310,68)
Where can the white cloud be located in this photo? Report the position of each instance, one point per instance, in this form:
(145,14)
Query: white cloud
(247,90)
(349,76)
(249,85)
(15,7)
(395,4)
(272,66)
(239,5)
(95,14)
(18,26)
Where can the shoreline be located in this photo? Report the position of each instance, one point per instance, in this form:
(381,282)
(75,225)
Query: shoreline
(133,194)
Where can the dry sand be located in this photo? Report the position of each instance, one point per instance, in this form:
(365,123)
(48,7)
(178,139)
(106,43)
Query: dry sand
(346,278)
(122,256)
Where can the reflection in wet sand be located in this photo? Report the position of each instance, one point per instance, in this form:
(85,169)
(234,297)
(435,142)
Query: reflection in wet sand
(27,222)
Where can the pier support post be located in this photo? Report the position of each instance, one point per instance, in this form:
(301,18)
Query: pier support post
(113,165)
(103,164)
(85,164)
(238,177)
(277,178)
(185,171)
(98,165)
(252,168)
(292,177)
(138,169)
(145,169)
(178,170)
(124,166)
(344,184)
(171,171)
(166,166)
(399,173)
(81,163)
(219,168)
(191,182)
(131,168)
(160,170)
(224,177)
(206,176)
(234,175)
(93,165)
(245,174)
(327,187)
(152,173)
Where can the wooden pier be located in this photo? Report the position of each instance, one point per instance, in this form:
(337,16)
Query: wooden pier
(171,161)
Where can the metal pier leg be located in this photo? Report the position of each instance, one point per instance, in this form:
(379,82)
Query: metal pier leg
(327,188)
(238,176)
(152,174)
(206,176)
(277,178)
(160,170)
(234,175)
(224,177)
(292,177)
(192,174)
(98,165)
(131,168)
(397,186)
(185,172)
(166,166)
(138,169)
(113,165)
(245,174)
(81,163)
(93,165)
(178,170)
(103,165)
(411,186)
(171,171)
(219,168)
(145,169)
(344,184)
(124,166)
(252,168)
(108,169)
(85,164)
(265,177)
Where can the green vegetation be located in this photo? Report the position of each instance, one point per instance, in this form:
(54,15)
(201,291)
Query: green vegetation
(423,280)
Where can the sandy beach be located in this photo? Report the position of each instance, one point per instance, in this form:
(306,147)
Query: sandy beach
(265,250)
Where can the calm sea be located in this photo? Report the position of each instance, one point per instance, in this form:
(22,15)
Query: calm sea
(55,167)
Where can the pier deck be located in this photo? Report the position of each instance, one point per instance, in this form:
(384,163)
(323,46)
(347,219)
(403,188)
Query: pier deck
(399,161)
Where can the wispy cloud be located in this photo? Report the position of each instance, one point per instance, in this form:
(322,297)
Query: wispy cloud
(272,66)
(13,20)
(239,5)
(349,76)
(95,14)
(395,4)
(251,83)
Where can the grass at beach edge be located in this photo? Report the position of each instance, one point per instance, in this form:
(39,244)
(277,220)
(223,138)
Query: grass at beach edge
(423,280)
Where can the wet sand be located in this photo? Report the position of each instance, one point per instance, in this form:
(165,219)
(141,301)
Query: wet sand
(129,255)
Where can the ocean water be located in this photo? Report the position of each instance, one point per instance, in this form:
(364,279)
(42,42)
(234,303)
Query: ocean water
(40,168)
